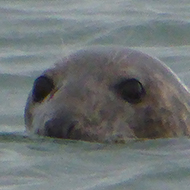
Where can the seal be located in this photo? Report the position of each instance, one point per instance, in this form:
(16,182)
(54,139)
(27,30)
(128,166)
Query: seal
(108,94)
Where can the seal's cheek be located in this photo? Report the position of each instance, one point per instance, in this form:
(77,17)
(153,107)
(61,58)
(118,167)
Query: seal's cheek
(153,123)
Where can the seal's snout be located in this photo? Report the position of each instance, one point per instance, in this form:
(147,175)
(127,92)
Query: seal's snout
(59,127)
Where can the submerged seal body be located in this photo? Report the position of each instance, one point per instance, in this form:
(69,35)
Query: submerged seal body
(108,94)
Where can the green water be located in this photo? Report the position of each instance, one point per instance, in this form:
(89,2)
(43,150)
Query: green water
(33,36)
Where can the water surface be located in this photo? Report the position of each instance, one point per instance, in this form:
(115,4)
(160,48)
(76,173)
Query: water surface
(34,35)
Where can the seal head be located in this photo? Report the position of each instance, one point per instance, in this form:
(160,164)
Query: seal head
(108,94)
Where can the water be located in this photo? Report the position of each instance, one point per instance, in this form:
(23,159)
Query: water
(34,35)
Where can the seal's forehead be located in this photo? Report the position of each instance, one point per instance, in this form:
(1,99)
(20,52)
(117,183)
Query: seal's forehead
(107,63)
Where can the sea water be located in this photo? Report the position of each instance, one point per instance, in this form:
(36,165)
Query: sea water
(33,36)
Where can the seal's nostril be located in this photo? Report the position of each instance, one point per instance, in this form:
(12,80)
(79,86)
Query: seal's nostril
(59,128)
(71,129)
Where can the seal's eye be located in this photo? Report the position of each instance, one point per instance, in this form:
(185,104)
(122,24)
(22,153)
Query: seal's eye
(131,90)
(41,88)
